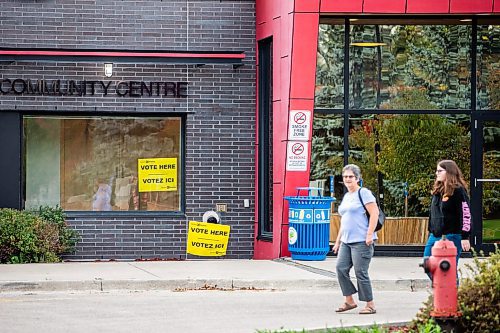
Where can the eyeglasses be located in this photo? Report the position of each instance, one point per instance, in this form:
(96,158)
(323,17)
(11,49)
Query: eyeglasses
(440,170)
(348,176)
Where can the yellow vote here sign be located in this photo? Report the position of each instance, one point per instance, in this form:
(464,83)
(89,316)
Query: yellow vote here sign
(157,174)
(207,239)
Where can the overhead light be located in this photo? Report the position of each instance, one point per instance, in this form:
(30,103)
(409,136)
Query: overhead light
(367,44)
(108,70)
(466,20)
(353,20)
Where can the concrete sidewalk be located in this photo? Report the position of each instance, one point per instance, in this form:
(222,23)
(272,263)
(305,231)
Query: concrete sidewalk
(263,293)
(387,273)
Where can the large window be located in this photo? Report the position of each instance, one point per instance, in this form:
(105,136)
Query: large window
(491,181)
(488,67)
(398,154)
(395,96)
(387,61)
(327,156)
(330,67)
(103,163)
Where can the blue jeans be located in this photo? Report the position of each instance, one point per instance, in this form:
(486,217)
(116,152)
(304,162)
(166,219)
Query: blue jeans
(455,238)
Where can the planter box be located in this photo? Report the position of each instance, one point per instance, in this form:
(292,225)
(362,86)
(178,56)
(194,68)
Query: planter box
(396,230)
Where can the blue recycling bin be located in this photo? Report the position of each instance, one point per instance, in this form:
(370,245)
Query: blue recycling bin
(309,224)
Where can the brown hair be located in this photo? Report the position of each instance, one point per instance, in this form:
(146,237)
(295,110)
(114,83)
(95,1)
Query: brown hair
(454,179)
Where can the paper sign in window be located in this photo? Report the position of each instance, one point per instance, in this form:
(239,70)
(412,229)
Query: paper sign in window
(157,174)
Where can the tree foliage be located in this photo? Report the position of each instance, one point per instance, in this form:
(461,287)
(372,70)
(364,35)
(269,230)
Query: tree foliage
(411,145)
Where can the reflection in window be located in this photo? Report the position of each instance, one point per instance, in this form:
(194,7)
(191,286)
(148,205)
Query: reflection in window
(91,164)
(386,60)
(399,153)
(488,66)
(330,67)
(419,68)
(491,189)
(327,155)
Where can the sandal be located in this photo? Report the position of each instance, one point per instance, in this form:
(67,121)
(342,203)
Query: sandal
(346,307)
(368,310)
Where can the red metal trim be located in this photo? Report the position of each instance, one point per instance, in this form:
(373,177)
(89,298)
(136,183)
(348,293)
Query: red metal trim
(123,54)
(409,6)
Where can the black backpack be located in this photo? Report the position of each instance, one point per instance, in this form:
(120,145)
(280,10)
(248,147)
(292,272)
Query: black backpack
(381,215)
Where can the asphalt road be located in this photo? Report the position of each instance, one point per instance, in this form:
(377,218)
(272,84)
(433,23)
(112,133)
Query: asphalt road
(205,311)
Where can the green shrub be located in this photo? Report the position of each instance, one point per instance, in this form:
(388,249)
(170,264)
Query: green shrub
(18,238)
(48,245)
(428,327)
(39,236)
(424,314)
(478,297)
(55,216)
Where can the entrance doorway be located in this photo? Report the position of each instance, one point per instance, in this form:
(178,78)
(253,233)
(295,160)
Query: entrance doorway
(486,184)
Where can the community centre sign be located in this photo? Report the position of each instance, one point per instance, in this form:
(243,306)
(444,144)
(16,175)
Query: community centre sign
(82,88)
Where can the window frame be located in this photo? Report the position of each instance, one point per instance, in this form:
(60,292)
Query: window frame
(75,213)
(265,139)
(475,115)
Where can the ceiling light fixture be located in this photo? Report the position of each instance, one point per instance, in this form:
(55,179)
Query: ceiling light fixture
(368,44)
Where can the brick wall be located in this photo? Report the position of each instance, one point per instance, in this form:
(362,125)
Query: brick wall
(220,108)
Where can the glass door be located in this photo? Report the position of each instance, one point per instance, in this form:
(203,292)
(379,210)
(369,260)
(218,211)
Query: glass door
(489,184)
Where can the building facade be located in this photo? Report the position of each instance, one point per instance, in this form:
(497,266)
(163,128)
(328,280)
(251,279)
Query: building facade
(138,117)
(180,97)
(394,86)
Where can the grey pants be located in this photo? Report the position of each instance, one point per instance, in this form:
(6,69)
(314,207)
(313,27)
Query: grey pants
(358,255)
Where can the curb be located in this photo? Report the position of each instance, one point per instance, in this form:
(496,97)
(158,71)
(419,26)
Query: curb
(202,284)
(173,285)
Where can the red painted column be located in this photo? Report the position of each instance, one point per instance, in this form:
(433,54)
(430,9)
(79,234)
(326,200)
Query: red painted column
(302,83)
(275,19)
(294,28)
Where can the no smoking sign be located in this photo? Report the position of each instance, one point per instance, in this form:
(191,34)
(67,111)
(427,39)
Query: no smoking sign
(299,118)
(298,148)
(299,125)
(297,156)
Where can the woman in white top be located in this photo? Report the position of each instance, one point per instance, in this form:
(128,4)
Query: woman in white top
(355,241)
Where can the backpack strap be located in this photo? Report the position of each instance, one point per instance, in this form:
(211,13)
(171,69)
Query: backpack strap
(361,200)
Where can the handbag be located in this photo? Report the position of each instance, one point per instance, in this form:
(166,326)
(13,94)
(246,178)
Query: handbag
(381,214)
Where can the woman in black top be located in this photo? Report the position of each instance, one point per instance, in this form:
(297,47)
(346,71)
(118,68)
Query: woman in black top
(449,211)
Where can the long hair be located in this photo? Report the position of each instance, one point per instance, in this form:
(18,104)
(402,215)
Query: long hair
(454,179)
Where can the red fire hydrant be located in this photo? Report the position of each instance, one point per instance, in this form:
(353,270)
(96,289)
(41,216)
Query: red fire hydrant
(442,266)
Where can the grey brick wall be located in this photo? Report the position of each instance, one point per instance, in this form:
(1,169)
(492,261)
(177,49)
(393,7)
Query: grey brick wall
(220,108)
